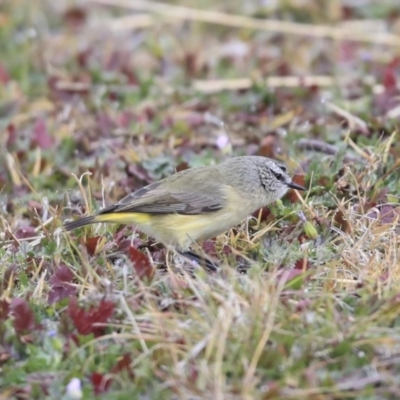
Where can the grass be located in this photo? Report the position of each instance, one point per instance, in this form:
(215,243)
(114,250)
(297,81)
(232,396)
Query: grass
(91,110)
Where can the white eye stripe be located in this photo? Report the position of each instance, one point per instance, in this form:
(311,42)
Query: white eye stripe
(282,167)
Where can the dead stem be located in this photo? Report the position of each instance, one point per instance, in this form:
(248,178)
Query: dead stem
(323,147)
(276,26)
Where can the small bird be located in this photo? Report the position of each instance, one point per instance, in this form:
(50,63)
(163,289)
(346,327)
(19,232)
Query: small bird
(199,203)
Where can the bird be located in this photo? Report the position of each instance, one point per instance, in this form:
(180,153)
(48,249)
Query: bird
(198,203)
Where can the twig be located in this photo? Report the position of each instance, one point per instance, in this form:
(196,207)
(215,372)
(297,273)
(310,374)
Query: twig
(12,169)
(344,389)
(322,147)
(132,22)
(351,119)
(217,85)
(284,27)
(358,149)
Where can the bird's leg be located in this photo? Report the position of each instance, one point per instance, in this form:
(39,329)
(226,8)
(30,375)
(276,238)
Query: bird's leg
(205,262)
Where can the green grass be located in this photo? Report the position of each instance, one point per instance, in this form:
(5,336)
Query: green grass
(88,114)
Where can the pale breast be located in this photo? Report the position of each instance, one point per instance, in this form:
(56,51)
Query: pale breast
(183,230)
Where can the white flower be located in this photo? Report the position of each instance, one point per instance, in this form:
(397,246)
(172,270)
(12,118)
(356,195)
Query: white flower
(74,390)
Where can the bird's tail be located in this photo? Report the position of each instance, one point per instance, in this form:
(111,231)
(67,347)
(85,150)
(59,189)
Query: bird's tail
(110,217)
(69,226)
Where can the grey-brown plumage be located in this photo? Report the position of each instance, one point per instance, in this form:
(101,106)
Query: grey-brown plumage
(199,203)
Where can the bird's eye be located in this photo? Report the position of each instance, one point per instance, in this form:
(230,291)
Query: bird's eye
(278,176)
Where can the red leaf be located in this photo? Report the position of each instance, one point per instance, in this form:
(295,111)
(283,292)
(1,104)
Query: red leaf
(348,51)
(268,146)
(61,286)
(387,214)
(25,232)
(125,118)
(389,79)
(4,310)
(105,123)
(130,75)
(41,136)
(86,321)
(182,166)
(141,263)
(342,222)
(125,244)
(100,382)
(303,304)
(75,17)
(83,57)
(226,250)
(4,76)
(390,75)
(299,179)
(12,135)
(124,364)
(299,264)
(120,235)
(288,275)
(193,372)
(209,248)
(384,277)
(35,205)
(24,319)
(265,213)
(91,244)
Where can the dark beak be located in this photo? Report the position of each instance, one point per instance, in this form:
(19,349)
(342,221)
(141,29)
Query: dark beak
(293,185)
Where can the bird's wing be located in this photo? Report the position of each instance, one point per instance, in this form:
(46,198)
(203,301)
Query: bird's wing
(154,198)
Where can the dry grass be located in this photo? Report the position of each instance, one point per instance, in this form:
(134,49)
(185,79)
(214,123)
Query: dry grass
(107,107)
